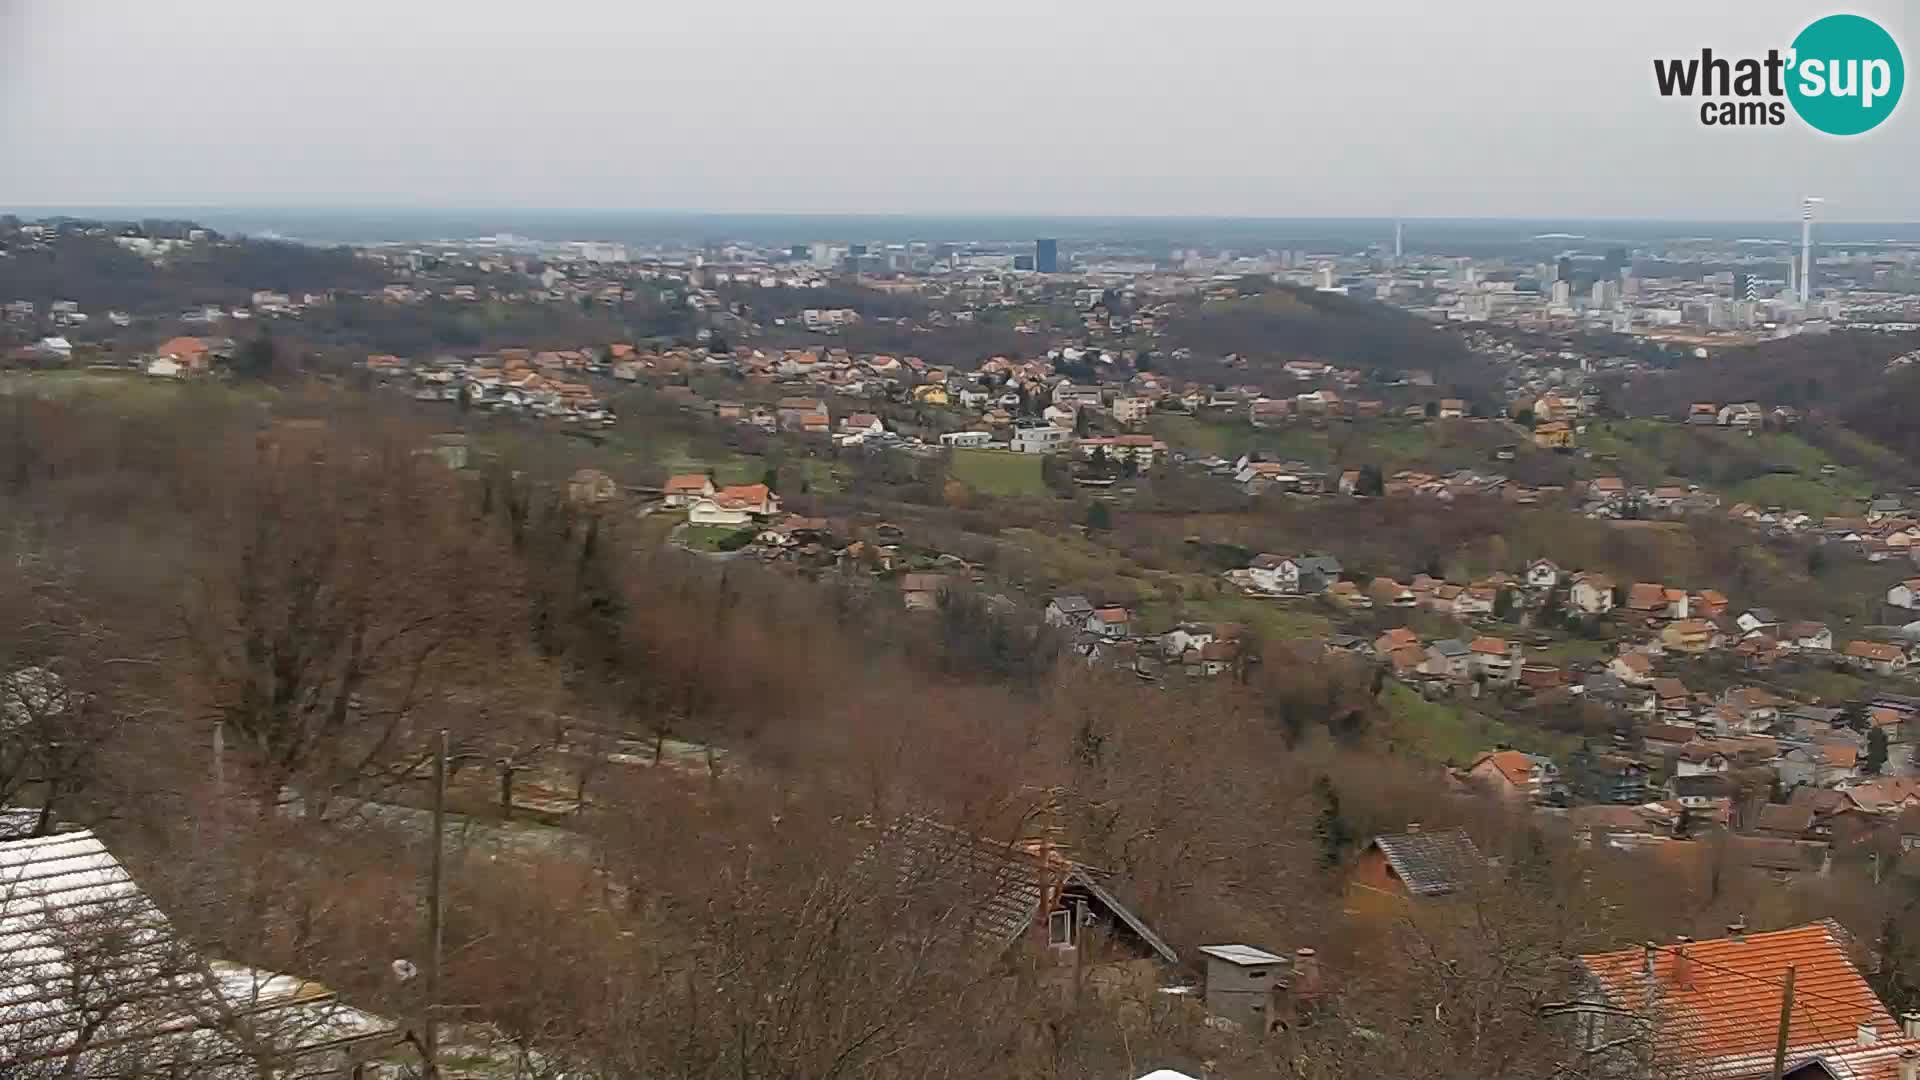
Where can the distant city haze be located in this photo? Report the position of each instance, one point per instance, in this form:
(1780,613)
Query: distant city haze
(1368,109)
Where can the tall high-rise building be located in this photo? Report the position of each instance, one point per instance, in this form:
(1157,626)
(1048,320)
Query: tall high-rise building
(1046,255)
(1563,271)
(1742,285)
(1616,260)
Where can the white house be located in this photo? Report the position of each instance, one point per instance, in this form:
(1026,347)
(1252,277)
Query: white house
(1592,593)
(710,511)
(1542,574)
(165,367)
(862,424)
(962,439)
(1275,574)
(684,489)
(1039,440)
(1905,595)
(734,506)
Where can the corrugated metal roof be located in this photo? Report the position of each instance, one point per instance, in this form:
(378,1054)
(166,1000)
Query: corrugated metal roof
(90,967)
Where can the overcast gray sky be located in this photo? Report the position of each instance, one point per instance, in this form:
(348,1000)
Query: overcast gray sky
(1365,107)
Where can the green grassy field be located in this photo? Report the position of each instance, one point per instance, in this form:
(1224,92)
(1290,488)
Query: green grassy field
(1649,451)
(131,388)
(713,537)
(1454,733)
(999,472)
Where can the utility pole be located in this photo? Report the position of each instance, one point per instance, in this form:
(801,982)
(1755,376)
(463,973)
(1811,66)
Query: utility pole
(220,761)
(1786,1021)
(430,1026)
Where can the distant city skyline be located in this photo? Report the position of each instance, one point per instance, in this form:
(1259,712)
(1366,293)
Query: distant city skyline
(1377,109)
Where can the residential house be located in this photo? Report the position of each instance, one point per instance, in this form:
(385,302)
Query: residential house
(1632,668)
(1451,409)
(195,355)
(1112,623)
(862,424)
(1784,821)
(1607,489)
(1141,450)
(1672,698)
(1039,440)
(922,592)
(1024,895)
(1703,412)
(1387,592)
(1745,414)
(1416,865)
(683,489)
(1347,594)
(1875,656)
(1608,778)
(1809,637)
(1820,764)
(96,980)
(1698,791)
(734,506)
(1692,636)
(1397,638)
(1542,574)
(1905,595)
(1496,660)
(1712,1008)
(1649,599)
(1553,435)
(1275,574)
(1514,776)
(966,439)
(1665,738)
(1591,593)
(1475,600)
(1449,658)
(1069,611)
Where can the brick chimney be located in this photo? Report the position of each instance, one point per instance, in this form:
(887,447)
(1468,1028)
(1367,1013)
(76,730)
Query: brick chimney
(1910,1024)
(1864,1035)
(1683,965)
(1413,826)
(1910,1064)
(1306,973)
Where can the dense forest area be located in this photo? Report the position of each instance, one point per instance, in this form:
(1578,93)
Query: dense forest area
(1372,338)
(329,597)
(99,274)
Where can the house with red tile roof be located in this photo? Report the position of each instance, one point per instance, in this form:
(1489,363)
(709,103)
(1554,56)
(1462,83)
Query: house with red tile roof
(1711,1009)
(682,489)
(1513,775)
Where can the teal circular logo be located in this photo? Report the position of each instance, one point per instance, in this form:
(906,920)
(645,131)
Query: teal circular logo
(1846,75)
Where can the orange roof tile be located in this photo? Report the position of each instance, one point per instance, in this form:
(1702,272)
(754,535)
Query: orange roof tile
(1514,765)
(1719,1007)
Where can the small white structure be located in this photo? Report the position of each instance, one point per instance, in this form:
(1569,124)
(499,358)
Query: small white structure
(1240,983)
